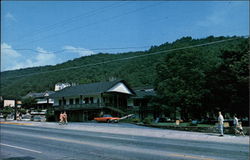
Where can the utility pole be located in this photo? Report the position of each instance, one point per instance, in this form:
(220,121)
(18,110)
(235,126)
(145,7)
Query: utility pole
(15,107)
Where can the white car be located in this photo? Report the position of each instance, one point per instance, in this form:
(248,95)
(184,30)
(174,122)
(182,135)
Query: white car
(39,119)
(26,118)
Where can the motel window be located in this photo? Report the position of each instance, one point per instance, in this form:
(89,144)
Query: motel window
(91,99)
(71,101)
(64,102)
(86,100)
(60,102)
(77,100)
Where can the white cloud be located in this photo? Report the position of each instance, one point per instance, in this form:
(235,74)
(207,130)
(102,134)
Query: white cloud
(79,51)
(45,57)
(11,59)
(42,58)
(10,16)
(8,51)
(221,14)
(8,56)
(214,19)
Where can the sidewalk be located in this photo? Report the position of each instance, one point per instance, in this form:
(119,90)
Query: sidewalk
(134,130)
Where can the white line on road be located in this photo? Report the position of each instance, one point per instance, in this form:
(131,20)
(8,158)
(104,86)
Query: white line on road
(20,148)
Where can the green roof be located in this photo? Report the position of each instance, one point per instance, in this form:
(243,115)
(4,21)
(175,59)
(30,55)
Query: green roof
(39,95)
(88,89)
(143,94)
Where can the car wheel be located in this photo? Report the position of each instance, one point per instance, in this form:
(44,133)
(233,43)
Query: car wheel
(108,121)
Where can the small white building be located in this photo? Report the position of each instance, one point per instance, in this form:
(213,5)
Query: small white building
(60,86)
(43,101)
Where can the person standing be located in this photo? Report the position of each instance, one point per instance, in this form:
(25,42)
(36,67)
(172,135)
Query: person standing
(61,118)
(221,122)
(236,124)
(65,117)
(236,121)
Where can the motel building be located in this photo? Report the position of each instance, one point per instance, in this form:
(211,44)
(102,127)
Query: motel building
(86,101)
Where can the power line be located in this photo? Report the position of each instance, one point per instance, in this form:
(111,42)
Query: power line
(64,50)
(93,49)
(87,25)
(69,20)
(128,58)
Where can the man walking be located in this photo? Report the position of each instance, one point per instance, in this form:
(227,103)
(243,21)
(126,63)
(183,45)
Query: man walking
(221,121)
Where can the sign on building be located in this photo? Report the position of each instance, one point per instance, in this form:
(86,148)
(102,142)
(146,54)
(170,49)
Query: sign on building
(9,103)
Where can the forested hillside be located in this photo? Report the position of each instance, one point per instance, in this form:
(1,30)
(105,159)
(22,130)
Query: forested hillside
(138,71)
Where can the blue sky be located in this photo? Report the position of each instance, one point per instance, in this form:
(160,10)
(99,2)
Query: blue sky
(38,33)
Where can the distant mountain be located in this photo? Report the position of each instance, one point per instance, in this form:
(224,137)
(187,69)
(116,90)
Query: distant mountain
(137,68)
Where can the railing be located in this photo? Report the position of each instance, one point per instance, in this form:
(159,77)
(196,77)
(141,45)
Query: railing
(78,106)
(86,106)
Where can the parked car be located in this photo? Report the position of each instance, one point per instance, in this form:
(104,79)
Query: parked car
(26,118)
(39,119)
(10,117)
(107,118)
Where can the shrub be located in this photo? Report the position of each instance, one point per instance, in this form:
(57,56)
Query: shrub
(148,120)
(135,120)
(131,120)
(50,116)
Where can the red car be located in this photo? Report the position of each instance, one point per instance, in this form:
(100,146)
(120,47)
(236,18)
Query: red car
(107,118)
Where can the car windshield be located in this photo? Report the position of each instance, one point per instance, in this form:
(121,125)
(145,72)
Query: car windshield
(107,115)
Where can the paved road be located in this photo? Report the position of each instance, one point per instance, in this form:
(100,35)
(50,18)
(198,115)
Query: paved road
(94,141)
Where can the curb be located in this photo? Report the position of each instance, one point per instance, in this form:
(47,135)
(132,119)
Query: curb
(227,130)
(16,123)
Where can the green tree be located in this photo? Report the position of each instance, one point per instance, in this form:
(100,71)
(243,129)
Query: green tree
(205,79)
(181,80)
(28,102)
(21,110)
(228,83)
(6,111)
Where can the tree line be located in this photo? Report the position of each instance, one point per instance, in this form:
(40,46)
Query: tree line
(195,81)
(199,82)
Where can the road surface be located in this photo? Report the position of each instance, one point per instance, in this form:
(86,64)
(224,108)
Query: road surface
(101,141)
